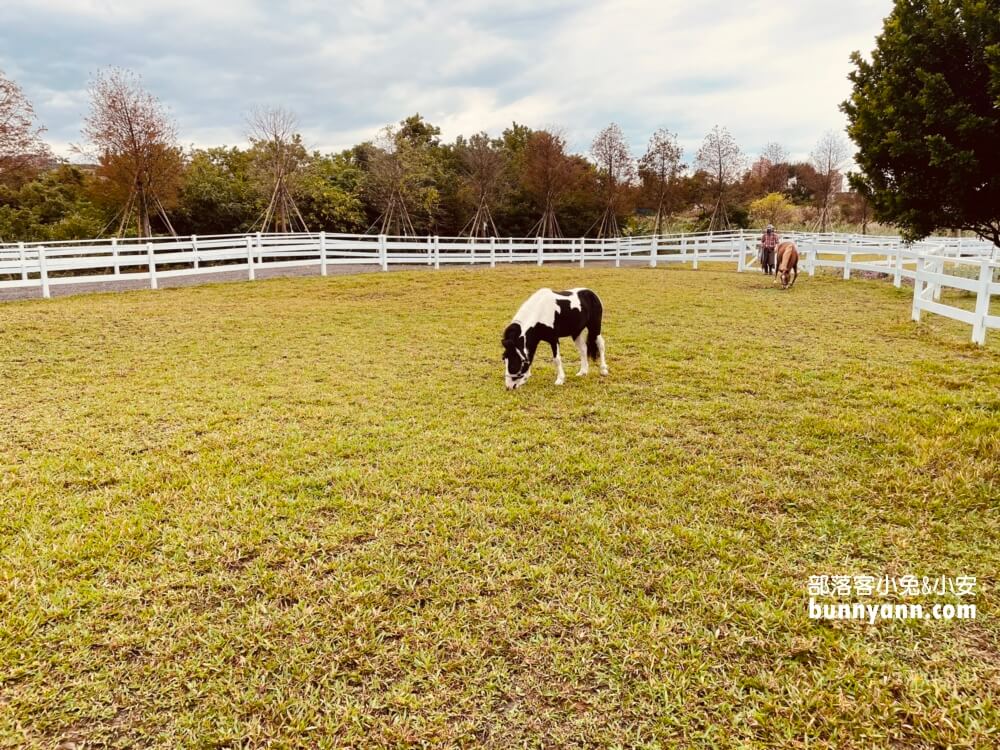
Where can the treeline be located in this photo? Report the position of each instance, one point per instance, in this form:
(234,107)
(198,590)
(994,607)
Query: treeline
(404,181)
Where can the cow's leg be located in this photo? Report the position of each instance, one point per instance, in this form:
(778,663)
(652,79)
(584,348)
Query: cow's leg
(581,346)
(560,374)
(600,349)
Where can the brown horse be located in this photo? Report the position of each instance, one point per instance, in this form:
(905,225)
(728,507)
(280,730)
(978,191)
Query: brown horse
(787,264)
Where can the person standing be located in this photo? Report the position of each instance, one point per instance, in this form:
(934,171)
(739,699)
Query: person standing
(768,242)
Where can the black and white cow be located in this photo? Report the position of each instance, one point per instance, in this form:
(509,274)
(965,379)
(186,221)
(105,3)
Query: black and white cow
(549,316)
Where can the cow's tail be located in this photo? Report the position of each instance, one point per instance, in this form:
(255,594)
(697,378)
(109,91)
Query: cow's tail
(594,326)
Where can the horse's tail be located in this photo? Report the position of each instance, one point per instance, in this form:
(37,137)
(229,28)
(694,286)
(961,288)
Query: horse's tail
(594,326)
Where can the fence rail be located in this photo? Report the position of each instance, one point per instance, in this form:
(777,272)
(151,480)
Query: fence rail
(933,264)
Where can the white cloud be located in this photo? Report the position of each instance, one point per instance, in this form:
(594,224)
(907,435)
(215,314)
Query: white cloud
(766,71)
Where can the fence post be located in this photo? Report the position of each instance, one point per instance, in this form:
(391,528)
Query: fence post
(322,253)
(938,268)
(510,249)
(540,250)
(812,258)
(114,256)
(24,265)
(43,272)
(982,302)
(151,257)
(897,274)
(383,253)
(618,252)
(654,251)
(694,262)
(918,288)
(260,248)
(847,262)
(583,251)
(430,251)
(741,260)
(493,252)
(251,274)
(194,249)
(437,252)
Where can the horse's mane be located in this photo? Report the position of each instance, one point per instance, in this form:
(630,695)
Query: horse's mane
(511,335)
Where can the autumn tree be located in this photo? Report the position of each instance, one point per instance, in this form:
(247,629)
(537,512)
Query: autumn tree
(659,169)
(616,171)
(21,145)
(723,162)
(828,159)
(925,115)
(135,142)
(547,175)
(770,171)
(483,166)
(773,208)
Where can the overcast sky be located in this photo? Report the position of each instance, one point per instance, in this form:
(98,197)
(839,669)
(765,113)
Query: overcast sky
(767,71)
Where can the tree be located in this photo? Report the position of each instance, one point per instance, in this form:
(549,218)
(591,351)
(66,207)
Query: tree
(483,165)
(547,174)
(925,115)
(616,170)
(330,193)
(516,213)
(390,184)
(773,208)
(828,160)
(855,209)
(278,156)
(771,168)
(803,183)
(218,194)
(135,141)
(723,161)
(55,206)
(418,131)
(659,169)
(21,145)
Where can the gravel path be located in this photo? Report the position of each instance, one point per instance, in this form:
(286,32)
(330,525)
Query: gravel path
(127,285)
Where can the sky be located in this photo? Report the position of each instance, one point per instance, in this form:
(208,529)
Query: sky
(767,71)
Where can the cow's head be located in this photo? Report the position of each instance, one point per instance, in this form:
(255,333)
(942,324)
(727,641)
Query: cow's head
(517,367)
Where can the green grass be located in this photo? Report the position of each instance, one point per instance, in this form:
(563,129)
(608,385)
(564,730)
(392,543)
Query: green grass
(306,513)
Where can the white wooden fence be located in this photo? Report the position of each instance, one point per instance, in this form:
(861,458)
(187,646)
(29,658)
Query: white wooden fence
(932,264)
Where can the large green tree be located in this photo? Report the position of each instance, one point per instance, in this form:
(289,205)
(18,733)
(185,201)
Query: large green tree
(925,115)
(58,205)
(218,194)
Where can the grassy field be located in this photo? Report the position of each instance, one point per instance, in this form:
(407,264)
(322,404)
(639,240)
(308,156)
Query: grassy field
(306,513)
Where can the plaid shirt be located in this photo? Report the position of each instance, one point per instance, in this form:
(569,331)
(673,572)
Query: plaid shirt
(770,241)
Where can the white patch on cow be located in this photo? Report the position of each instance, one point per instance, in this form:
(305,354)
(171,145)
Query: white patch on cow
(542,306)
